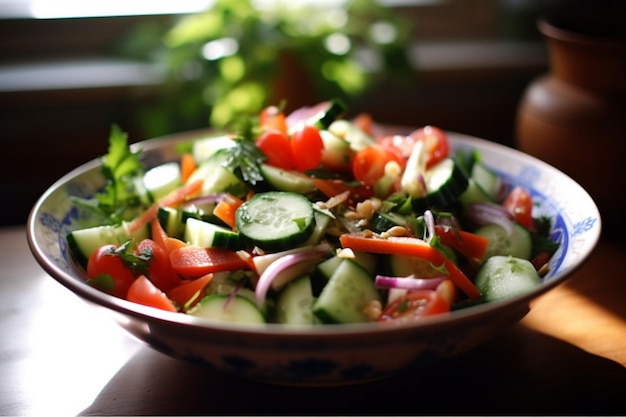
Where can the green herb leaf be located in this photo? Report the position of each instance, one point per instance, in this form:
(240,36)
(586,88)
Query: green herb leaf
(245,157)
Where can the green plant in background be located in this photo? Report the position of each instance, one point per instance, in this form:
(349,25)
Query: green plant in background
(241,55)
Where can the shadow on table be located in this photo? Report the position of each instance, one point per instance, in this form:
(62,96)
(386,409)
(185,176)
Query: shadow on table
(560,379)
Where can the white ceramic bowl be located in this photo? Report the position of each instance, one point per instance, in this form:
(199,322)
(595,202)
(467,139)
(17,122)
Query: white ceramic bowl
(325,355)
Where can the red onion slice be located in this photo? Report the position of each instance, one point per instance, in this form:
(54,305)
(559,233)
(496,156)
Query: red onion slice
(408,283)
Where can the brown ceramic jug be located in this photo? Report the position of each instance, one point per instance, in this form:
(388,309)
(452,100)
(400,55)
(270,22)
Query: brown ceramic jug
(574,117)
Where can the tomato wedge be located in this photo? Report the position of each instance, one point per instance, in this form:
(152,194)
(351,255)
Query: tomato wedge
(187,294)
(107,271)
(436,143)
(415,305)
(307,146)
(273,118)
(520,204)
(160,271)
(368,164)
(143,291)
(276,146)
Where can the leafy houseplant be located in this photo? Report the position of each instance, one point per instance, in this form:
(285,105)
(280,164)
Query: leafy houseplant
(241,55)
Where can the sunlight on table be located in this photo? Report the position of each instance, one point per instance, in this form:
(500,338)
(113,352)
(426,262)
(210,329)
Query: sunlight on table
(92,364)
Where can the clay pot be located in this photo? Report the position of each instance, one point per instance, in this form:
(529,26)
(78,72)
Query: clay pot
(574,117)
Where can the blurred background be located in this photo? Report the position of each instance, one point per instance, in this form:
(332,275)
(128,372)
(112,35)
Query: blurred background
(71,69)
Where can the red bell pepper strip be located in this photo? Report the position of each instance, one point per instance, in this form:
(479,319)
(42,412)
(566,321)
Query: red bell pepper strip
(194,261)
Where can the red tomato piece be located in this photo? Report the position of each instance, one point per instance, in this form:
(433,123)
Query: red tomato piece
(414,305)
(144,292)
(193,261)
(368,164)
(187,294)
(519,203)
(277,147)
(160,270)
(435,142)
(105,261)
(307,146)
(399,144)
(332,187)
(273,118)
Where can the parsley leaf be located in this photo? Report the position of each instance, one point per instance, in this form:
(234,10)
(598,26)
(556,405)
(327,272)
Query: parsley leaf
(122,194)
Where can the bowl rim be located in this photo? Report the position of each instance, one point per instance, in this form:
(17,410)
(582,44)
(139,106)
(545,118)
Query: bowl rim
(150,314)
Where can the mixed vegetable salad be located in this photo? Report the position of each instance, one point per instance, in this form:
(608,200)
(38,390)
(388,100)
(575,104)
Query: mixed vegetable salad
(310,218)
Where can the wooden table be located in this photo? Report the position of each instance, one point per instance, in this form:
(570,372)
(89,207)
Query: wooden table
(61,357)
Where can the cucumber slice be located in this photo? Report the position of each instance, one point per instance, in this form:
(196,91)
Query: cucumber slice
(346,295)
(205,148)
(228,308)
(162,179)
(322,221)
(209,235)
(483,186)
(171,220)
(445,182)
(381,222)
(502,277)
(518,244)
(292,181)
(327,268)
(276,220)
(294,305)
(336,153)
(333,111)
(357,138)
(217,178)
(84,242)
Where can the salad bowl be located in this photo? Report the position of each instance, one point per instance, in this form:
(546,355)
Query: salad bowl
(322,355)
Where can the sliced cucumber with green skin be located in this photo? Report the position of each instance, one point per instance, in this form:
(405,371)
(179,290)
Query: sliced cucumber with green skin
(327,267)
(336,152)
(171,221)
(209,235)
(333,111)
(381,222)
(322,221)
(518,243)
(483,186)
(346,295)
(445,182)
(292,181)
(205,148)
(228,308)
(502,277)
(84,242)
(276,220)
(162,179)
(357,138)
(294,305)
(216,178)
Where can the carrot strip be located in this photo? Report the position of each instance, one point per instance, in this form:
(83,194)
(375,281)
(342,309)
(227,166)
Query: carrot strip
(175,197)
(408,246)
(225,209)
(187,166)
(471,245)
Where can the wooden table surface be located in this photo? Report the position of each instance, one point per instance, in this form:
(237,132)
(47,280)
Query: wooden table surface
(60,356)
